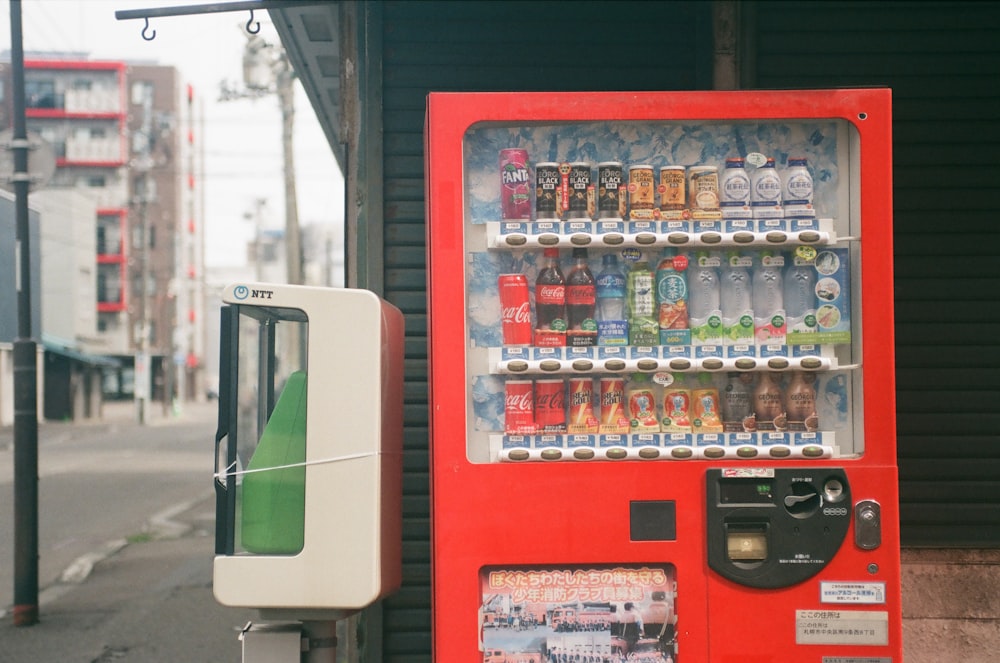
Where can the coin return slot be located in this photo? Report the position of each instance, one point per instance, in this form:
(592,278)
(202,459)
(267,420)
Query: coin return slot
(746,542)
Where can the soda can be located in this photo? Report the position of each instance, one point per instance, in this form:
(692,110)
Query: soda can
(519,407)
(609,180)
(547,180)
(515,312)
(550,406)
(515,192)
(671,189)
(614,418)
(579,182)
(581,406)
(641,192)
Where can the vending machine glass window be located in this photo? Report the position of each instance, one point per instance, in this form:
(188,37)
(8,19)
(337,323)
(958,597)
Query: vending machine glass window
(750,274)
(260,471)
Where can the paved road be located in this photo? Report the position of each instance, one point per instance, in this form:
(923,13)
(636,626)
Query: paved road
(126,522)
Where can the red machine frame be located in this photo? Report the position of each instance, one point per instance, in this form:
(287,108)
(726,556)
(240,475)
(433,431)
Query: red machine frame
(575,514)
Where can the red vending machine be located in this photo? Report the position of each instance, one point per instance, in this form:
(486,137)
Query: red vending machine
(661,377)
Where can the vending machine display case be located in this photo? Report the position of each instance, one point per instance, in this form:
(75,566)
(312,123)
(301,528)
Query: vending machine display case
(642,541)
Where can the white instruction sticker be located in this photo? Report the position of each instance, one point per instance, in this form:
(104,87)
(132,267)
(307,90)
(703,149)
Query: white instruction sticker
(870,593)
(841,627)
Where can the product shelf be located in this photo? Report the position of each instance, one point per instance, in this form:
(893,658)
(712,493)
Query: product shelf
(665,446)
(637,359)
(617,234)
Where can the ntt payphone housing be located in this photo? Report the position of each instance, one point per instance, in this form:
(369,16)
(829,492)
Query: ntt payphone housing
(308,450)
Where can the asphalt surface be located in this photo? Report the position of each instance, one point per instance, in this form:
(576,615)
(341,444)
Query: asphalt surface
(137,599)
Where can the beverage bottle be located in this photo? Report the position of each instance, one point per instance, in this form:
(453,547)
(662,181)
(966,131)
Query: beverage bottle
(706,416)
(550,302)
(734,190)
(768,403)
(671,298)
(704,300)
(676,406)
(800,402)
(797,189)
(641,399)
(643,328)
(768,299)
(799,293)
(765,192)
(737,404)
(581,299)
(612,320)
(736,300)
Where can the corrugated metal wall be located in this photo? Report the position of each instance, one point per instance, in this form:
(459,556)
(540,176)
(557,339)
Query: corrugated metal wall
(942,60)
(442,46)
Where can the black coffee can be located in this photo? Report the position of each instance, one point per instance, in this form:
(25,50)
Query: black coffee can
(579,182)
(609,181)
(547,180)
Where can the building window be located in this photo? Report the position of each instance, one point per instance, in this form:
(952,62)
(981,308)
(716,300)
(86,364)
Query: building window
(40,94)
(140,91)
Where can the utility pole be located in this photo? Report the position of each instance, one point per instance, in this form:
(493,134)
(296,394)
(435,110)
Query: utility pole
(143,368)
(266,70)
(25,362)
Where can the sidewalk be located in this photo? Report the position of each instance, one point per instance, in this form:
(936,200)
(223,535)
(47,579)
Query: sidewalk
(147,599)
(150,602)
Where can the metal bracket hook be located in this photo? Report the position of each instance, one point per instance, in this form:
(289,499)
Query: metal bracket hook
(151,36)
(256,26)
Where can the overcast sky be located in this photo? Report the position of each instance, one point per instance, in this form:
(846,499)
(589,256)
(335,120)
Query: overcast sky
(242,139)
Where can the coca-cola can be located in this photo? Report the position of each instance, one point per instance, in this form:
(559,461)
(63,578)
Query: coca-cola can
(550,406)
(515,185)
(515,312)
(519,407)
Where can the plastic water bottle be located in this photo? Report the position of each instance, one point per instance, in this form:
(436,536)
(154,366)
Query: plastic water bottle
(737,299)
(800,296)
(612,321)
(768,300)
(704,300)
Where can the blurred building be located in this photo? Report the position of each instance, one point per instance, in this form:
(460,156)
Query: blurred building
(121,264)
